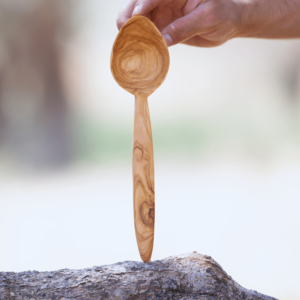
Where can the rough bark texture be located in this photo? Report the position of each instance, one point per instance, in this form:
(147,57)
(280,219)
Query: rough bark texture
(190,276)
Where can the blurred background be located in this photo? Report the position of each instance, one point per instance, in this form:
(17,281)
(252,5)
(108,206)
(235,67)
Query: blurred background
(226,132)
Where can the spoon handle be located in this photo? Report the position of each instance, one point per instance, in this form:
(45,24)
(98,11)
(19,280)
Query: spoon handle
(143,178)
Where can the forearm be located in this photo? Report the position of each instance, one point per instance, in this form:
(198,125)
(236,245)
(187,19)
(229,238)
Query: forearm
(270,19)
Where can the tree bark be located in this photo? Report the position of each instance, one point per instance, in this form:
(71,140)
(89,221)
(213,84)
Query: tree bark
(189,276)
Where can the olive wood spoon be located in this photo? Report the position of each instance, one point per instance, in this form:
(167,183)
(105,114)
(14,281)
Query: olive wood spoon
(140,63)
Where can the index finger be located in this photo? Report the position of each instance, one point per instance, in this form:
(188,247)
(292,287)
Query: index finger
(125,12)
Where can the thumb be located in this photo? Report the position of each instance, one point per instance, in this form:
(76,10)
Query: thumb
(183,28)
(143,7)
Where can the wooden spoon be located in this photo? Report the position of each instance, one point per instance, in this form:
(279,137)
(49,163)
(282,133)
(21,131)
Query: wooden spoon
(140,63)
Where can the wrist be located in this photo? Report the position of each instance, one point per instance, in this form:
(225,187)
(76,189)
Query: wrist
(252,21)
(266,18)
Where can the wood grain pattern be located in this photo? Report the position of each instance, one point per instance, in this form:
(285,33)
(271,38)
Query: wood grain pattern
(143,178)
(140,57)
(140,63)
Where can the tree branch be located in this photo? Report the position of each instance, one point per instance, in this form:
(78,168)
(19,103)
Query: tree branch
(189,276)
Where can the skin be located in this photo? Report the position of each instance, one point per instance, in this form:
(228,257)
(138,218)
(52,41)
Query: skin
(209,23)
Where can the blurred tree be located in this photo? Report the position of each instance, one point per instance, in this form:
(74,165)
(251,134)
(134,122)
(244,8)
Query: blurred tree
(292,77)
(34,114)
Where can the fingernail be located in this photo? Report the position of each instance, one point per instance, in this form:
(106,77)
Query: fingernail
(136,10)
(168,39)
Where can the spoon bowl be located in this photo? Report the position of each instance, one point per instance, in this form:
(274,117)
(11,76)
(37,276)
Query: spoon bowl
(140,57)
(140,63)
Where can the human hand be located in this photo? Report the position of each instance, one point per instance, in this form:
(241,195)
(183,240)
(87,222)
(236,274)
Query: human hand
(209,23)
(203,23)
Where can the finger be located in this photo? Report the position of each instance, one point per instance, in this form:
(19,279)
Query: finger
(186,27)
(143,7)
(149,16)
(198,41)
(125,13)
